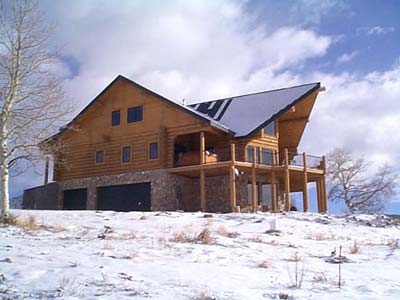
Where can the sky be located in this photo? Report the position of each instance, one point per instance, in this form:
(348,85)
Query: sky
(198,50)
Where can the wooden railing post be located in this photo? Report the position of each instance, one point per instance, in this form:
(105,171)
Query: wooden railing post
(273,184)
(202,175)
(323,186)
(232,178)
(287,181)
(305,183)
(253,182)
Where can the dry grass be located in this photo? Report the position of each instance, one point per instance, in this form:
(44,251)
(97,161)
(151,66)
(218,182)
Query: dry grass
(257,239)
(355,248)
(222,231)
(320,277)
(265,264)
(295,257)
(203,296)
(319,236)
(10,220)
(393,243)
(28,223)
(203,237)
(107,246)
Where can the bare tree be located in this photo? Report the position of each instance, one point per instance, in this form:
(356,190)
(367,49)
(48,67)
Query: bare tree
(31,95)
(352,182)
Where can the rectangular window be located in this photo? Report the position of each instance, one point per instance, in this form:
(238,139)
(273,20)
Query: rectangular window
(135,114)
(126,154)
(99,156)
(269,129)
(266,156)
(250,154)
(153,150)
(115,117)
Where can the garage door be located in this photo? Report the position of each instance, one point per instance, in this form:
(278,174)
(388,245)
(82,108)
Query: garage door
(129,197)
(75,199)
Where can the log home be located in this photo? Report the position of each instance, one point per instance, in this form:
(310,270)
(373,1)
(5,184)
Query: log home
(132,149)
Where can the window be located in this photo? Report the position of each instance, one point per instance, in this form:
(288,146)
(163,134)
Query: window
(135,114)
(250,154)
(266,156)
(99,156)
(270,129)
(126,154)
(115,117)
(153,150)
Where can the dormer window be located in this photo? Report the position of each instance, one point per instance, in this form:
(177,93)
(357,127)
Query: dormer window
(135,114)
(115,117)
(269,129)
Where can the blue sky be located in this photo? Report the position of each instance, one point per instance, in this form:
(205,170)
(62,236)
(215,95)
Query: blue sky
(213,49)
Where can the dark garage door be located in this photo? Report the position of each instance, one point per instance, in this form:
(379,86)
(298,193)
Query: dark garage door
(75,199)
(127,197)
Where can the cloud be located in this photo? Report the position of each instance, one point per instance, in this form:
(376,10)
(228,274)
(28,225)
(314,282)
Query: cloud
(359,113)
(183,49)
(375,30)
(346,57)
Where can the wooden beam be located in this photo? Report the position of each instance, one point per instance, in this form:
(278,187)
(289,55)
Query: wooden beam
(288,203)
(46,171)
(273,183)
(202,190)
(319,196)
(202,148)
(324,195)
(232,177)
(300,119)
(253,181)
(305,183)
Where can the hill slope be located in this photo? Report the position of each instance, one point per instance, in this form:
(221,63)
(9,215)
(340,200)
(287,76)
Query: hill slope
(108,255)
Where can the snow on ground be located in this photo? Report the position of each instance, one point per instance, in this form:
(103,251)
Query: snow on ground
(157,255)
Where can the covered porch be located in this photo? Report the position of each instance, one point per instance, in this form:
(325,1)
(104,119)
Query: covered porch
(278,174)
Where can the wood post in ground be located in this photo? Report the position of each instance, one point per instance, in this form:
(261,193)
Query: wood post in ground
(232,178)
(287,181)
(253,182)
(273,185)
(202,175)
(305,183)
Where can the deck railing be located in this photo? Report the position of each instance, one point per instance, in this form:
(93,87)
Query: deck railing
(262,157)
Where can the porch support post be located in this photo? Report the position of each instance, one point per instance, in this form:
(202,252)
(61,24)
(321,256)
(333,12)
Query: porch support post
(46,171)
(273,185)
(253,182)
(202,190)
(232,178)
(323,181)
(287,181)
(305,185)
(202,175)
(202,148)
(319,196)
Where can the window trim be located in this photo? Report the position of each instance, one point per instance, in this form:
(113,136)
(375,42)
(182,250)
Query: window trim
(134,107)
(158,150)
(130,154)
(120,114)
(95,157)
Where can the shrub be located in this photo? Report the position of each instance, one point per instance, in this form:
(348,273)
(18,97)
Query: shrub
(355,248)
(393,243)
(225,232)
(11,219)
(265,264)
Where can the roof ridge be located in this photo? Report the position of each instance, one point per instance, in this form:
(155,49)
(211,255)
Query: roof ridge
(256,93)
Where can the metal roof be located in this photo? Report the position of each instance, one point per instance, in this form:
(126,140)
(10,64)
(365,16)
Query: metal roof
(248,113)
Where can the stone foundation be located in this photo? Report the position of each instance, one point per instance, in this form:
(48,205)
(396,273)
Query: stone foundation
(168,191)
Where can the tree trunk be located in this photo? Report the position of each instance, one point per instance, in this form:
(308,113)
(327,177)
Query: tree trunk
(5,212)
(4,173)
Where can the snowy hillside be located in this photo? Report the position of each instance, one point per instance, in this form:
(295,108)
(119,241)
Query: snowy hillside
(116,256)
